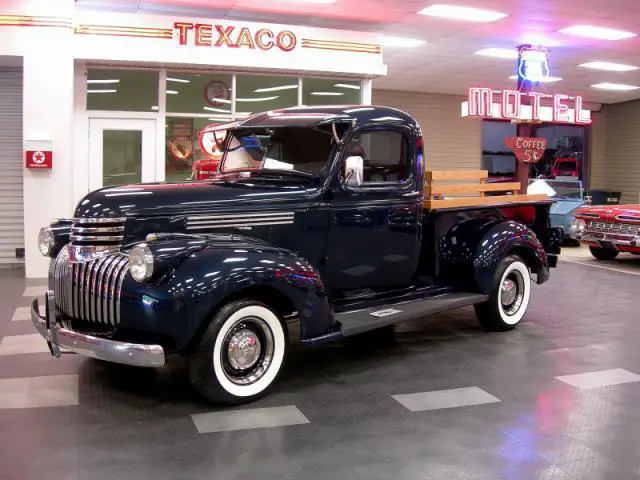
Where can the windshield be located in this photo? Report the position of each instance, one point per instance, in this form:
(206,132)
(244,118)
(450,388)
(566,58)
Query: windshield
(298,149)
(566,166)
(568,189)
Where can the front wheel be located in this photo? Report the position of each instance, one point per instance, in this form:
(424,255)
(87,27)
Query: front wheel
(509,297)
(240,353)
(603,253)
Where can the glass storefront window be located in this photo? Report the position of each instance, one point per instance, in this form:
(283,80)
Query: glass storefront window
(323,91)
(259,93)
(198,93)
(183,147)
(126,90)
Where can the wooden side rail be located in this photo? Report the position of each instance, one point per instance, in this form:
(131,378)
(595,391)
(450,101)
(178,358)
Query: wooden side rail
(443,185)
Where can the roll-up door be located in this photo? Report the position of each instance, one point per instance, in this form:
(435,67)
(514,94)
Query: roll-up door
(11,202)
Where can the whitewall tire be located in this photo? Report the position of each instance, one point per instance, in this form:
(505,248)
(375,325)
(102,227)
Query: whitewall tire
(240,354)
(509,297)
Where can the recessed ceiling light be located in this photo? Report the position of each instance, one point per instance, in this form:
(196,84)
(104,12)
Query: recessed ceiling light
(458,12)
(276,89)
(615,86)
(601,33)
(313,1)
(609,66)
(172,92)
(498,52)
(546,80)
(327,94)
(178,80)
(401,42)
(102,91)
(96,80)
(346,85)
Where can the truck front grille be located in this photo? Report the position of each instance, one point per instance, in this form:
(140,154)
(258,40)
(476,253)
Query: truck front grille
(101,232)
(609,227)
(87,294)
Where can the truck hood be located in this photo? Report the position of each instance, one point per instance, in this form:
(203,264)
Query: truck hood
(620,213)
(160,199)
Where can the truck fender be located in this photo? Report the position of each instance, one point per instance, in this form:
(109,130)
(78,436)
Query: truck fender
(195,288)
(471,250)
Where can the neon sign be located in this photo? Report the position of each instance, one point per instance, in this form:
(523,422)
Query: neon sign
(207,35)
(540,107)
(533,64)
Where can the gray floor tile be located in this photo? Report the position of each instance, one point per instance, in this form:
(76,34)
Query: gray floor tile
(21,314)
(22,344)
(247,419)
(34,291)
(600,378)
(436,400)
(36,392)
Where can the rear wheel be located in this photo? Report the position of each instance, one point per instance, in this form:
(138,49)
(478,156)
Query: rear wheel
(240,354)
(509,297)
(603,253)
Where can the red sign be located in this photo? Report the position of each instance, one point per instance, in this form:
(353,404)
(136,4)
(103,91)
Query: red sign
(39,159)
(207,35)
(527,149)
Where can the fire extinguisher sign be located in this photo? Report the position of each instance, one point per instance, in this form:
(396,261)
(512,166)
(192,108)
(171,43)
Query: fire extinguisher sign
(39,159)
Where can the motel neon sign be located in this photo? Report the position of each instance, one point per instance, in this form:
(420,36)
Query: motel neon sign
(525,106)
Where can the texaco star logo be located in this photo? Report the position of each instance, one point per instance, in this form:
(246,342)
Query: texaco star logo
(38,157)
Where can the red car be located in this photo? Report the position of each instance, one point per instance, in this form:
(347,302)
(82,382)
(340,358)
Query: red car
(566,167)
(205,168)
(609,230)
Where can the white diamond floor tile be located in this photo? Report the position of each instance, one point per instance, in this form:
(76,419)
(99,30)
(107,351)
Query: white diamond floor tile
(439,399)
(225,421)
(601,378)
(21,344)
(35,291)
(38,392)
(21,314)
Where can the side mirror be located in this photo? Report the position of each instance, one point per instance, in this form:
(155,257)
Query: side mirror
(354,171)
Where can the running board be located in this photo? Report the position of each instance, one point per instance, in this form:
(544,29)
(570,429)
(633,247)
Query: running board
(361,321)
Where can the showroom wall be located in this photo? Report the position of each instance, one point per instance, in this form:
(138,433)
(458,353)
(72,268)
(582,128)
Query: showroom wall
(451,142)
(615,150)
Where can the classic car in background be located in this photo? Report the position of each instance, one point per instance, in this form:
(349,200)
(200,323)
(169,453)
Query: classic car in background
(608,230)
(569,197)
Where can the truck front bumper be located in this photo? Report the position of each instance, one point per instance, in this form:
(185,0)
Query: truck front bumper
(57,337)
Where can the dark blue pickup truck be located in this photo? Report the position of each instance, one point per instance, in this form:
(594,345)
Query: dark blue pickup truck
(315,228)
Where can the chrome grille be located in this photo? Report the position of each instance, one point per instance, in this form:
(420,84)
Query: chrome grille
(614,227)
(89,292)
(97,231)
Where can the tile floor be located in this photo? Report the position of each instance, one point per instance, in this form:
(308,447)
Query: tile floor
(558,398)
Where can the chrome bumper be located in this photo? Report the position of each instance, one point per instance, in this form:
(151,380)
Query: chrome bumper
(616,239)
(57,337)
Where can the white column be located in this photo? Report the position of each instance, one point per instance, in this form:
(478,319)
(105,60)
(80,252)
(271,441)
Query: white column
(48,116)
(366,89)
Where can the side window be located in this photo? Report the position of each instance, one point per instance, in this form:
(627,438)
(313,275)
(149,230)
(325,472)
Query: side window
(384,154)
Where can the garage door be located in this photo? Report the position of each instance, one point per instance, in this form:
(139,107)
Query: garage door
(11,209)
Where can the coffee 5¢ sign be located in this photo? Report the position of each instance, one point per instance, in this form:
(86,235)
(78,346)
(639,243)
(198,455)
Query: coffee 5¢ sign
(229,36)
(527,149)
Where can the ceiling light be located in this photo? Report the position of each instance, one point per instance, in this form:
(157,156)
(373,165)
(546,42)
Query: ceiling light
(544,80)
(276,89)
(609,66)
(260,99)
(219,110)
(178,80)
(401,42)
(458,12)
(314,1)
(102,91)
(327,94)
(498,52)
(96,80)
(615,86)
(346,85)
(601,33)
(172,92)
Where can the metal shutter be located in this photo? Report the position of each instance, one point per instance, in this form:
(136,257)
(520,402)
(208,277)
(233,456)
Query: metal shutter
(451,142)
(11,201)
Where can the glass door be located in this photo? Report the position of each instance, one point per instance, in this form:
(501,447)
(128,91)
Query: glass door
(121,151)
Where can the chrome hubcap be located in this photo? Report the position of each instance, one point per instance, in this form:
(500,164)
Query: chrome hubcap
(512,293)
(509,292)
(244,349)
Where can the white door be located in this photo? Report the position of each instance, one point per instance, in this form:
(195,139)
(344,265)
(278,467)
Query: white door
(121,150)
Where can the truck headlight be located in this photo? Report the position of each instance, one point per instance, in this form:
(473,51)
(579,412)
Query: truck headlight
(141,262)
(578,226)
(46,241)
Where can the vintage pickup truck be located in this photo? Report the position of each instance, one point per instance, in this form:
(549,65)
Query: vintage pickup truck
(321,223)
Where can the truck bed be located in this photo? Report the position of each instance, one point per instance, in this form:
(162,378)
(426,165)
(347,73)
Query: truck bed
(444,190)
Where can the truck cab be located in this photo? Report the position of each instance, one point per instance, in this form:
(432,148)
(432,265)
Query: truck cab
(321,223)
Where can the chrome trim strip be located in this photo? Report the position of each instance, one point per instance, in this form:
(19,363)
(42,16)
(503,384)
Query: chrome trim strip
(236,220)
(97,229)
(94,238)
(104,289)
(136,354)
(590,215)
(119,281)
(99,220)
(233,225)
(239,215)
